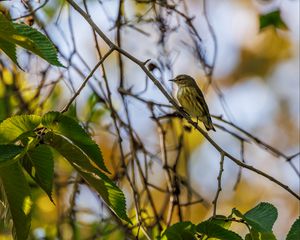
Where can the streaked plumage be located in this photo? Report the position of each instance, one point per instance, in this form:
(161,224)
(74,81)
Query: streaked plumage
(192,100)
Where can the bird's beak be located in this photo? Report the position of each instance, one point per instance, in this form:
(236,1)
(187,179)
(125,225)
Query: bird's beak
(173,80)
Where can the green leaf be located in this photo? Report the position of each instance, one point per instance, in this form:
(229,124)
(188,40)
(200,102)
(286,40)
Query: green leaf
(267,236)
(250,236)
(10,50)
(272,19)
(40,166)
(8,153)
(7,28)
(37,43)
(109,192)
(69,128)
(72,111)
(13,128)
(18,199)
(212,230)
(262,217)
(180,231)
(255,235)
(294,233)
(221,220)
(28,38)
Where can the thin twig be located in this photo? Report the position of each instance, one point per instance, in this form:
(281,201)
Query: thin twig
(173,102)
(86,80)
(221,169)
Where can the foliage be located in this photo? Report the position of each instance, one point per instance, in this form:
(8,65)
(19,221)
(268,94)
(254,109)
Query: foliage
(26,142)
(272,19)
(259,220)
(16,198)
(294,232)
(180,231)
(12,34)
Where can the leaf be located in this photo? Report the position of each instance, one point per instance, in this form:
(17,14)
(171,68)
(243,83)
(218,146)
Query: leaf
(252,236)
(294,233)
(267,236)
(40,166)
(261,218)
(212,230)
(37,43)
(12,129)
(6,26)
(221,220)
(72,111)
(109,192)
(255,235)
(272,19)
(10,50)
(28,38)
(17,193)
(69,128)
(8,153)
(180,231)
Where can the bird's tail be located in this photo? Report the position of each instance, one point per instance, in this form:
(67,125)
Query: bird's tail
(208,124)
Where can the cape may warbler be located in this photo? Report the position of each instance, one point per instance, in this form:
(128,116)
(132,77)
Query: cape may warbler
(192,100)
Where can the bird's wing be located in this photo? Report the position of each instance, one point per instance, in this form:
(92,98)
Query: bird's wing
(201,100)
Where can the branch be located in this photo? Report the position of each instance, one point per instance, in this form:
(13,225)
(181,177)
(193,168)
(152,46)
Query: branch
(86,80)
(173,102)
(215,201)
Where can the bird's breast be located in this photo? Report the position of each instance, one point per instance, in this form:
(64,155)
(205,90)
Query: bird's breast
(187,99)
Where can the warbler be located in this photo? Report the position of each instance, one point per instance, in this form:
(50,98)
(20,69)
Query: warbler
(192,100)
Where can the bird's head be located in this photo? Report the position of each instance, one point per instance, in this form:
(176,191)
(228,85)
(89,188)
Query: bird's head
(183,80)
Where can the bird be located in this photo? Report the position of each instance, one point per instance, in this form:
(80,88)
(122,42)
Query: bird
(192,100)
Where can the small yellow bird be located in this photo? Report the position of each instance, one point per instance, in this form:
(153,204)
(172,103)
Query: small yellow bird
(192,100)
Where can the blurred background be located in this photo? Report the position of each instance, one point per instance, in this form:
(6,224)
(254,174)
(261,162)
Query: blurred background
(249,76)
